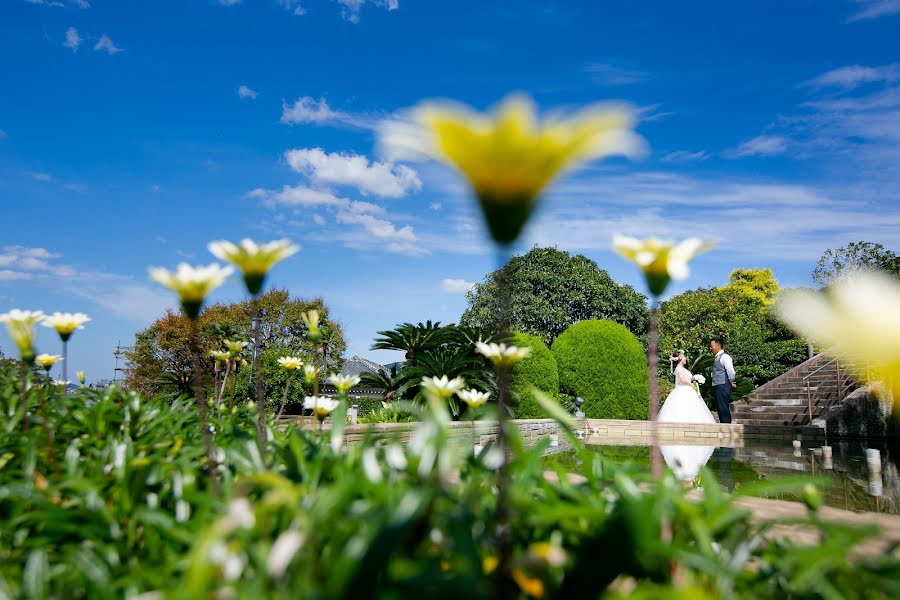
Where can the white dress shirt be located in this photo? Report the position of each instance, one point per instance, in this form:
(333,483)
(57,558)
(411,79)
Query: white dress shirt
(726,361)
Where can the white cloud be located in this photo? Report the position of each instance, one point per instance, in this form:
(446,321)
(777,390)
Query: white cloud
(350,8)
(82,4)
(129,300)
(73,40)
(854,75)
(24,262)
(38,176)
(53,3)
(246,92)
(607,74)
(679,156)
(294,7)
(435,206)
(299,195)
(81,188)
(401,240)
(318,219)
(873,9)
(229,2)
(382,179)
(762,145)
(308,110)
(456,286)
(104,44)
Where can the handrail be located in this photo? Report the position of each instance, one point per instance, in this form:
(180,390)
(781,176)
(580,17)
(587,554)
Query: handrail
(833,360)
(839,382)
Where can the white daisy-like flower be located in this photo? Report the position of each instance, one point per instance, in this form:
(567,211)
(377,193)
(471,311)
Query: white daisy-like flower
(502,354)
(322,406)
(47,360)
(473,397)
(254,260)
(235,347)
(661,261)
(65,323)
(343,382)
(283,551)
(20,324)
(310,373)
(219,355)
(443,387)
(192,284)
(290,363)
(311,319)
(61,382)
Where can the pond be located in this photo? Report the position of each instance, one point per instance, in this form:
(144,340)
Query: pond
(847,480)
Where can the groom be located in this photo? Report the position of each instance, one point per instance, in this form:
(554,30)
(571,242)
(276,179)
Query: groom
(722,379)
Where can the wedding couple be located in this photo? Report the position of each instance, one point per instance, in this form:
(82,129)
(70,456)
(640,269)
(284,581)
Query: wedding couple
(684,405)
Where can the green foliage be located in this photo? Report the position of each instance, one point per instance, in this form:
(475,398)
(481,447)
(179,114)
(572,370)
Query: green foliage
(411,339)
(550,290)
(761,346)
(604,363)
(855,256)
(538,370)
(759,284)
(129,512)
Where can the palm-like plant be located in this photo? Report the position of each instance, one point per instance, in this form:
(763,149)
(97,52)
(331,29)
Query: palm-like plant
(381,380)
(411,339)
(451,360)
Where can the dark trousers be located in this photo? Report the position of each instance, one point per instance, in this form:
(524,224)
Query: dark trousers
(722,394)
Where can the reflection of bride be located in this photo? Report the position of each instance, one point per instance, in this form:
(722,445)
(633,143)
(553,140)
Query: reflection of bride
(683,405)
(686,461)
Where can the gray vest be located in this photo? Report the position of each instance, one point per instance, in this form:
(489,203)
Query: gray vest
(720,376)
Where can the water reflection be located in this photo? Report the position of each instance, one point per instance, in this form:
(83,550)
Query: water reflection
(686,461)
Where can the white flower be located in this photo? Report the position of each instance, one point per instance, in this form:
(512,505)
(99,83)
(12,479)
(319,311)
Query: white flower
(473,397)
(322,406)
(254,260)
(80,375)
(311,320)
(343,382)
(231,563)
(283,551)
(660,261)
(66,323)
(442,387)
(502,354)
(370,465)
(182,511)
(192,284)
(290,363)
(310,372)
(21,329)
(61,382)
(219,355)
(235,347)
(47,360)
(699,378)
(395,457)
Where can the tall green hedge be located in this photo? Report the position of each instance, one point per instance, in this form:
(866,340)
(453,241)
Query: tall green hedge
(538,370)
(604,363)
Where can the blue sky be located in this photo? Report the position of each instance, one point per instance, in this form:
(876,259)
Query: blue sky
(132,133)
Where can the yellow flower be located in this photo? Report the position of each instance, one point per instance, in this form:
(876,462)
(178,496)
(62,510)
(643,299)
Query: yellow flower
(311,319)
(219,355)
(473,398)
(443,387)
(322,406)
(254,260)
(47,360)
(66,323)
(530,585)
(21,329)
(290,363)
(192,284)
(343,382)
(310,373)
(660,261)
(509,157)
(80,375)
(501,354)
(61,382)
(858,315)
(235,347)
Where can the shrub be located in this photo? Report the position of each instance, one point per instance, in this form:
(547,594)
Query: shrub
(538,370)
(605,364)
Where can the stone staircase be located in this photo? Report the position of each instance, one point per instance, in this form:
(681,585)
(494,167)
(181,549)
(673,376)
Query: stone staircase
(783,402)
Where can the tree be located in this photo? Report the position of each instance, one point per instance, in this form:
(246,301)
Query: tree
(759,284)
(855,256)
(411,339)
(161,359)
(552,289)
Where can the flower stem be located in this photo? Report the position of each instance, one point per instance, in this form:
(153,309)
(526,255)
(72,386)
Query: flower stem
(287,384)
(260,388)
(502,510)
(221,393)
(233,384)
(65,368)
(45,425)
(200,393)
(652,369)
(23,375)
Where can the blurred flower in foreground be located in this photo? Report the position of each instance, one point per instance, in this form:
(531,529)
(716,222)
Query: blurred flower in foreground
(501,354)
(235,347)
(443,387)
(47,360)
(290,363)
(61,382)
(80,375)
(310,373)
(21,329)
(65,323)
(473,398)
(192,284)
(343,382)
(320,405)
(254,260)
(510,156)
(311,319)
(660,261)
(219,356)
(858,315)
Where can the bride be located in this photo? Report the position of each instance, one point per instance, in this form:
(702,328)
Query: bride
(684,405)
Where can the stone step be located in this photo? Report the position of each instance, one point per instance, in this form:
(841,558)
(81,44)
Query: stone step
(767,422)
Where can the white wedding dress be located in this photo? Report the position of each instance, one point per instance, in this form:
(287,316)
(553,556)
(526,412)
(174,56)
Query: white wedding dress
(683,405)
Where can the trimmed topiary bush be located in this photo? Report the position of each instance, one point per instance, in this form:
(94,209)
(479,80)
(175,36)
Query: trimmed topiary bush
(604,363)
(538,370)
